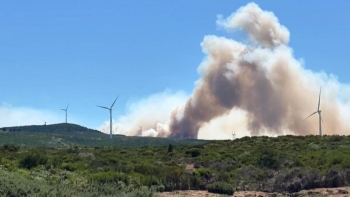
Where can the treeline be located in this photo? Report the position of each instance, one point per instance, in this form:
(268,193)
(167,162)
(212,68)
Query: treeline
(282,164)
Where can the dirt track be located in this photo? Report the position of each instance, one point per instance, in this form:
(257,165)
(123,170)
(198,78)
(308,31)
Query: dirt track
(331,192)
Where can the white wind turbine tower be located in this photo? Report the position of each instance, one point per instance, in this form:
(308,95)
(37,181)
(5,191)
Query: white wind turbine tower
(66,111)
(140,131)
(233,135)
(110,114)
(320,121)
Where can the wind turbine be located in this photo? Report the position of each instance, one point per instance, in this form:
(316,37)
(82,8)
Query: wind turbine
(110,114)
(66,111)
(233,135)
(140,131)
(43,121)
(319,114)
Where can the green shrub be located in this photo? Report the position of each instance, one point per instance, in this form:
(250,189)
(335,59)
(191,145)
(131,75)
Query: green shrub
(203,172)
(11,147)
(110,177)
(346,162)
(170,148)
(14,184)
(148,153)
(220,188)
(69,166)
(194,152)
(268,159)
(32,160)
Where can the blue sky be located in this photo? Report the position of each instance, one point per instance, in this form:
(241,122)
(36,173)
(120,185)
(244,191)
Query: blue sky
(85,53)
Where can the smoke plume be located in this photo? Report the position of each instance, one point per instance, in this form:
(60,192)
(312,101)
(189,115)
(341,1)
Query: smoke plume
(261,81)
(148,116)
(251,88)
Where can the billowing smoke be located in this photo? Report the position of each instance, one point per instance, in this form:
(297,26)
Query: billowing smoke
(148,116)
(260,81)
(250,88)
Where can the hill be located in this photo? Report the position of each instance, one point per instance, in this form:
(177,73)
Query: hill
(53,128)
(65,134)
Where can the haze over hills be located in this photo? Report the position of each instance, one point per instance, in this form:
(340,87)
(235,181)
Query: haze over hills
(67,134)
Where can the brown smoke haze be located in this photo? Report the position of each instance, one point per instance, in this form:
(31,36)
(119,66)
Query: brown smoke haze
(257,88)
(272,90)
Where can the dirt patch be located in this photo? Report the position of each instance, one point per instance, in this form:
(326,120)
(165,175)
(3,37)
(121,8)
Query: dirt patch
(329,192)
(193,193)
(190,167)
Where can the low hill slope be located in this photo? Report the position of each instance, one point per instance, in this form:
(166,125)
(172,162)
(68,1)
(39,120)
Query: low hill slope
(65,134)
(52,128)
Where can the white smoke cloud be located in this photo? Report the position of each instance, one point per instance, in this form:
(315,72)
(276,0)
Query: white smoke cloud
(18,116)
(254,88)
(258,88)
(150,113)
(263,26)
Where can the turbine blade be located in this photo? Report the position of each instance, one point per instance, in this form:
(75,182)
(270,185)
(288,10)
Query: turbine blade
(311,114)
(63,109)
(114,101)
(322,122)
(319,101)
(102,107)
(67,107)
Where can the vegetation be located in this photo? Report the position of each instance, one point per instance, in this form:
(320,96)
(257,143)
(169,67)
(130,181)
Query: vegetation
(282,164)
(61,135)
(16,185)
(220,188)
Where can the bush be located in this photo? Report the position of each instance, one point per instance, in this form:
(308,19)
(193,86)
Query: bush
(194,152)
(32,160)
(170,148)
(220,188)
(148,153)
(14,184)
(268,159)
(110,177)
(204,172)
(11,147)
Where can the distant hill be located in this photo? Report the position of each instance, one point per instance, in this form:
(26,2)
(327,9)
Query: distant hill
(52,128)
(66,134)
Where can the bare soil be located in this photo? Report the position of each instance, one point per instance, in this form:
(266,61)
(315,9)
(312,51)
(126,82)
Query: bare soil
(329,192)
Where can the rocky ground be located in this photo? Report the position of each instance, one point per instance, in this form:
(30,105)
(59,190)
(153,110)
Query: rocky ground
(329,192)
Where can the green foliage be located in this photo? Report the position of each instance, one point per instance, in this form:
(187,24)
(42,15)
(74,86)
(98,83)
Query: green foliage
(14,184)
(268,159)
(193,152)
(65,134)
(11,147)
(110,177)
(284,164)
(32,160)
(170,148)
(220,188)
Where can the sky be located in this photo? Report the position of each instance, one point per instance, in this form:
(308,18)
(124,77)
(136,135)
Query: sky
(86,53)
